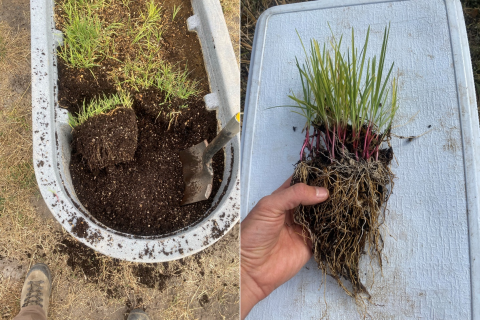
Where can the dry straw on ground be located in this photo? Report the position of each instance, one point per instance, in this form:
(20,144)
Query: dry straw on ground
(203,286)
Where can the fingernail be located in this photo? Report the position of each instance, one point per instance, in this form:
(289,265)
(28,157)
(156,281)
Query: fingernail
(322,193)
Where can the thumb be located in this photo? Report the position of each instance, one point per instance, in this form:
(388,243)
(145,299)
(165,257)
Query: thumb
(282,201)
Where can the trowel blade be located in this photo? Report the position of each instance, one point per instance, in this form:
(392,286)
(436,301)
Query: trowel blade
(198,179)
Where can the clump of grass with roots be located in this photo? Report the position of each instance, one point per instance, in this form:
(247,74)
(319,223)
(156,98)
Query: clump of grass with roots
(349,102)
(100,105)
(115,141)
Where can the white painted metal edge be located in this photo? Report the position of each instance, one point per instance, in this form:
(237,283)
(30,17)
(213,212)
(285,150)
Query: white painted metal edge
(470,139)
(468,111)
(51,136)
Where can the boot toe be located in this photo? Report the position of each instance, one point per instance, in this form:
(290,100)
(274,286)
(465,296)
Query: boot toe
(138,314)
(42,268)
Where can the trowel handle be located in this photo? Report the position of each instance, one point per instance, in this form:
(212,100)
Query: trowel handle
(227,133)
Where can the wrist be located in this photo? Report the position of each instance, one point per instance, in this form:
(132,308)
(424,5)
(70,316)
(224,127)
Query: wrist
(251,294)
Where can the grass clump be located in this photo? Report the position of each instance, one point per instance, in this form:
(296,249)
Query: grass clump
(150,27)
(349,110)
(349,103)
(141,75)
(175,83)
(100,106)
(87,39)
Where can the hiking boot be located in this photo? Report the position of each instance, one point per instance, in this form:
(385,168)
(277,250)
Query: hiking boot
(138,314)
(37,287)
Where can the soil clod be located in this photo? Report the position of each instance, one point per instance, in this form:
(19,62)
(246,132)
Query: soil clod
(107,139)
(203,300)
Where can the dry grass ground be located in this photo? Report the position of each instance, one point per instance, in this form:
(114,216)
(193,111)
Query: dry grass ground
(87,285)
(231,10)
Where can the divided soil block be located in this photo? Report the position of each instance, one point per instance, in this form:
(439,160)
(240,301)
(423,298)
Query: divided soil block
(125,164)
(107,139)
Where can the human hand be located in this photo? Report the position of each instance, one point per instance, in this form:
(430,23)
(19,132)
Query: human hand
(273,248)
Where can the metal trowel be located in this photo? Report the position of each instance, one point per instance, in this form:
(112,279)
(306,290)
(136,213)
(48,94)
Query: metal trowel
(197,163)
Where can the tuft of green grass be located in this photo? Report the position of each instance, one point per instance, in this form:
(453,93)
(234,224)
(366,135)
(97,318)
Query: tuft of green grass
(175,83)
(87,39)
(137,74)
(175,11)
(150,29)
(347,90)
(142,75)
(100,106)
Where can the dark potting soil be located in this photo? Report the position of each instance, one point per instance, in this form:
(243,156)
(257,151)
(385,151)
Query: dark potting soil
(142,197)
(107,139)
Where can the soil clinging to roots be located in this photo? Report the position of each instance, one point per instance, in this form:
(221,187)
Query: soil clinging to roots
(107,139)
(347,225)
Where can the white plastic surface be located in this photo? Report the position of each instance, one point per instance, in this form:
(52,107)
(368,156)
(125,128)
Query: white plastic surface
(52,137)
(431,265)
